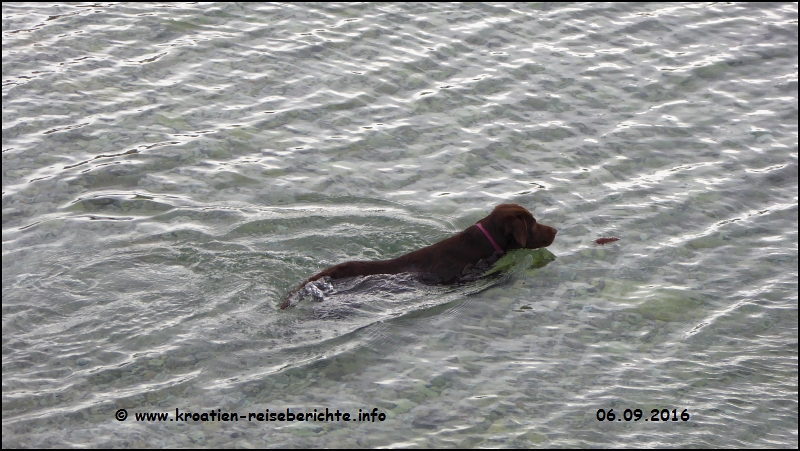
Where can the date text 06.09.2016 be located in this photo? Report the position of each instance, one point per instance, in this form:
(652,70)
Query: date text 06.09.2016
(656,415)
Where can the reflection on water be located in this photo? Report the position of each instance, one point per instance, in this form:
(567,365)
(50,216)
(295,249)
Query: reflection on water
(172,172)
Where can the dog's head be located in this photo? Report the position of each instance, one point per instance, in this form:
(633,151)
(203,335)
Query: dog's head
(518,227)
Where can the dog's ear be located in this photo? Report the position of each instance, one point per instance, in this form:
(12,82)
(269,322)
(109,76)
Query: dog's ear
(519,229)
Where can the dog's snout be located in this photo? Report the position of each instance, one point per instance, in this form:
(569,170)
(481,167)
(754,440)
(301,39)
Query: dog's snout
(541,236)
(552,235)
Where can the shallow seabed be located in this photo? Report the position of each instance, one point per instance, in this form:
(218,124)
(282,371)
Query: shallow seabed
(172,171)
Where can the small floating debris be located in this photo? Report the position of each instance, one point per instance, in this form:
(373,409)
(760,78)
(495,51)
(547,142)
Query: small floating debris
(605,240)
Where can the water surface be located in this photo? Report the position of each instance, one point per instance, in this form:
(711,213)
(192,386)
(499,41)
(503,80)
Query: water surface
(172,171)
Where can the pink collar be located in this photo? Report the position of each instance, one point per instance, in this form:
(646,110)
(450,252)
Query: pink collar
(496,247)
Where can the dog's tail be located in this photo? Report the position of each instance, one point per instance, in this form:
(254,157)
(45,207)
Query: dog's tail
(288,301)
(289,297)
(349,269)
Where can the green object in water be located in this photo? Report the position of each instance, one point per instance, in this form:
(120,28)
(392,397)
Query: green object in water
(527,258)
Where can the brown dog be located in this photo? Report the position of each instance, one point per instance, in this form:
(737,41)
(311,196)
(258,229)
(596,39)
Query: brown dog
(507,227)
